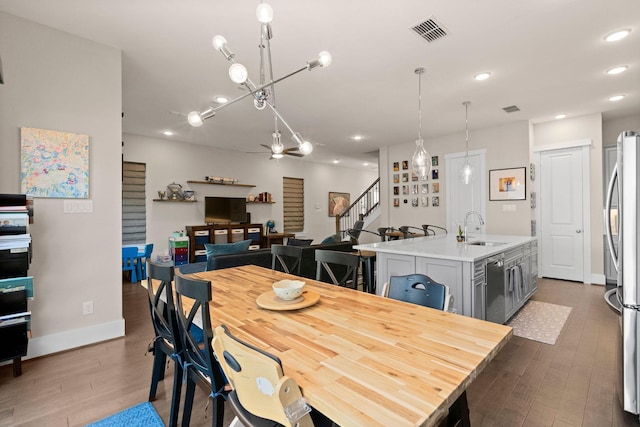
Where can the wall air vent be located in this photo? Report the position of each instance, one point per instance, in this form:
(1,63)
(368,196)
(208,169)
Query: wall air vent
(430,30)
(511,109)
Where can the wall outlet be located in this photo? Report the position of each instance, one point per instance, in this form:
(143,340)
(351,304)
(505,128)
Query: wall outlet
(87,307)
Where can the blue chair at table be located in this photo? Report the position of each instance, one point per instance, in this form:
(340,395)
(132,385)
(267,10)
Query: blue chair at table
(129,255)
(141,260)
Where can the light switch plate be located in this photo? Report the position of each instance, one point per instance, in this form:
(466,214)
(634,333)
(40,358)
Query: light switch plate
(78,206)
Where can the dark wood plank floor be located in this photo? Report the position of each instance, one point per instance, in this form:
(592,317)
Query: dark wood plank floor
(528,384)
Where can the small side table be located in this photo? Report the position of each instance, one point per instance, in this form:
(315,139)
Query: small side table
(275,239)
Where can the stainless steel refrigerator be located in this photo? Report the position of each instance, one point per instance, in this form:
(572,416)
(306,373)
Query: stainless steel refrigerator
(625,298)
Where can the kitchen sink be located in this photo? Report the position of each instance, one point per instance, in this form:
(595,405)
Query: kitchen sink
(481,243)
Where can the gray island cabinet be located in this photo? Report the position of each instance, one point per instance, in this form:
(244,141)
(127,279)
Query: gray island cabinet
(489,276)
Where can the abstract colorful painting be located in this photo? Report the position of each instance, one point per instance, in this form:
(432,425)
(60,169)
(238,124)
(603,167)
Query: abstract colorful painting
(54,164)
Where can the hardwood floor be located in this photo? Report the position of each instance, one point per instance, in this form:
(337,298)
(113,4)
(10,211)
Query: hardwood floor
(528,384)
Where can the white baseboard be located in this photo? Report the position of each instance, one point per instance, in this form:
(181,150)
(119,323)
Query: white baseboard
(598,279)
(48,344)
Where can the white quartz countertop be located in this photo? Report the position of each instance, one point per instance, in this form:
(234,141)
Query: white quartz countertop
(446,246)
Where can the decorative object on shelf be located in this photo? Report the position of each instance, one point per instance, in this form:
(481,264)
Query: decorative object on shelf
(162,195)
(264,93)
(338,203)
(533,200)
(508,184)
(264,197)
(174,192)
(421,159)
(271,225)
(54,164)
(251,198)
(189,195)
(466,171)
(220,180)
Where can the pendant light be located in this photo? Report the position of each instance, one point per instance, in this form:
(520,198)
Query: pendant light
(466,171)
(421,159)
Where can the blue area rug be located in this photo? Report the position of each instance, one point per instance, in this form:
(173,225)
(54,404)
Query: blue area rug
(142,415)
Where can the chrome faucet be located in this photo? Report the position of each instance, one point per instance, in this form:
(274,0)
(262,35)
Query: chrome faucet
(466,217)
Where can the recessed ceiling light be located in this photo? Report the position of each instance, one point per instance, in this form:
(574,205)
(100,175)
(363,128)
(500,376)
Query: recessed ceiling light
(616,98)
(365,164)
(221,99)
(617,70)
(618,35)
(336,161)
(167,133)
(482,76)
(357,137)
(560,116)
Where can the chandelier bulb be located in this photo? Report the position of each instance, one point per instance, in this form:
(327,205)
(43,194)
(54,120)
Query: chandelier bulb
(264,13)
(325,58)
(218,42)
(305,148)
(194,119)
(238,73)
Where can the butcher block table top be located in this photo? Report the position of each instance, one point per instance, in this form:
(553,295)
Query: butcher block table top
(360,359)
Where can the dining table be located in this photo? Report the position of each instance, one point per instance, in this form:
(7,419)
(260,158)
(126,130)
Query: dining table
(360,359)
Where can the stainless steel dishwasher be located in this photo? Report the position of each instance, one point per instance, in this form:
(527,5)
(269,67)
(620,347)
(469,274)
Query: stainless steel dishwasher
(495,289)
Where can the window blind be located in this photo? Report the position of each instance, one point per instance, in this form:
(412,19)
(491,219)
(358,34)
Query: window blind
(293,204)
(134,211)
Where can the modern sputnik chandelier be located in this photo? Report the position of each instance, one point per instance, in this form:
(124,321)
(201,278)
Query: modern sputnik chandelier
(264,92)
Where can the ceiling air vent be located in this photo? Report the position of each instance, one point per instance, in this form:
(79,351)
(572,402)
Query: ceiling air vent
(430,30)
(511,109)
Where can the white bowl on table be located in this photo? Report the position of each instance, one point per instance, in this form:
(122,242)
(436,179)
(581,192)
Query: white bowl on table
(288,289)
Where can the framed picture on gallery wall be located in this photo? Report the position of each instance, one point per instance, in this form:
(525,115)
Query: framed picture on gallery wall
(396,166)
(508,184)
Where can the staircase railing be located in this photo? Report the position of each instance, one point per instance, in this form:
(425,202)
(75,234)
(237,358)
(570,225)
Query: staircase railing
(360,208)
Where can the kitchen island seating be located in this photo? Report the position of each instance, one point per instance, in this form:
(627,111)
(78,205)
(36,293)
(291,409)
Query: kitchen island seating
(167,339)
(262,395)
(286,258)
(338,268)
(419,289)
(192,300)
(129,256)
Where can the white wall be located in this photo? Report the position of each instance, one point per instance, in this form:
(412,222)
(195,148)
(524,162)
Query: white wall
(57,81)
(575,129)
(613,127)
(507,147)
(169,161)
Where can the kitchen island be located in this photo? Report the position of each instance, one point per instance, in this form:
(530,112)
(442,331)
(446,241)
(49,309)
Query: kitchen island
(490,276)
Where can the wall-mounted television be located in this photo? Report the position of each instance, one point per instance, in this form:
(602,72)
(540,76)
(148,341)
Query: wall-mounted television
(224,210)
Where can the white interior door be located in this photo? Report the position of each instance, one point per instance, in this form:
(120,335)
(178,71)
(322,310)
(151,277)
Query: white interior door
(561,214)
(462,198)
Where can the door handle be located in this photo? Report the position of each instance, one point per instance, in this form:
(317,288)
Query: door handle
(578,231)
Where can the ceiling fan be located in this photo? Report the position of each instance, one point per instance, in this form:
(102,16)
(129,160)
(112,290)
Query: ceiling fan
(285,152)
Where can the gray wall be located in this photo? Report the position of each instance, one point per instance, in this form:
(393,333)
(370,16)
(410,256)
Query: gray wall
(57,81)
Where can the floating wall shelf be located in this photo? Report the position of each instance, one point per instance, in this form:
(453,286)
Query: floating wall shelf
(220,183)
(174,201)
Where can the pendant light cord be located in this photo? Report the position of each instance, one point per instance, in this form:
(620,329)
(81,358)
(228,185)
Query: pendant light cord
(419,72)
(466,124)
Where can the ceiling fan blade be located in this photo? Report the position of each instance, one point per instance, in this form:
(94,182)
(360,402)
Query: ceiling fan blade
(290,153)
(266,146)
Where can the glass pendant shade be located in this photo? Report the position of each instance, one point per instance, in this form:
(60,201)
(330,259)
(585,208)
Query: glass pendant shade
(466,172)
(421,159)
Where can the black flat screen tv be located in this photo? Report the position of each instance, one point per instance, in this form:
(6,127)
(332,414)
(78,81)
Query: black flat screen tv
(225,210)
